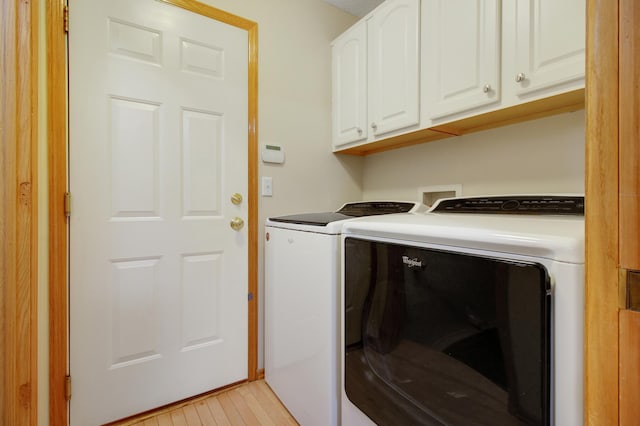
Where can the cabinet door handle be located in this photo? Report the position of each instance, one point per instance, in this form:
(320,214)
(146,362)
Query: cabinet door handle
(520,77)
(486,88)
(374,126)
(359,130)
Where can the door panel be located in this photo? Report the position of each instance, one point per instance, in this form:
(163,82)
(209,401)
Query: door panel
(349,68)
(393,66)
(550,43)
(158,144)
(462,46)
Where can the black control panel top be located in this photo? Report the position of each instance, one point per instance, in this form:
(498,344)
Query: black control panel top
(525,204)
(372,208)
(348,211)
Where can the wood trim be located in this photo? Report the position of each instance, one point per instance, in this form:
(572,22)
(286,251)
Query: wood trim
(629,367)
(629,135)
(58,231)
(553,105)
(629,197)
(253,202)
(214,13)
(57,131)
(601,215)
(526,111)
(8,225)
(401,141)
(19,219)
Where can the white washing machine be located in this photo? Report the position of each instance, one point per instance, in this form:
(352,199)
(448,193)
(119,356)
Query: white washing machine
(302,271)
(469,314)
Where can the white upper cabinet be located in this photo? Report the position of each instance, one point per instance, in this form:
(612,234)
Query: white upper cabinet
(394,96)
(414,71)
(376,75)
(549,44)
(461,55)
(349,70)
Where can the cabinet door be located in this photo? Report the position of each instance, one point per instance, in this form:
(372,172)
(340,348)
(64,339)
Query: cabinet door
(393,66)
(462,49)
(550,43)
(349,62)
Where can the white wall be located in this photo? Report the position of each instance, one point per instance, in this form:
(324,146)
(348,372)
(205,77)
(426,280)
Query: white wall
(294,110)
(540,156)
(294,39)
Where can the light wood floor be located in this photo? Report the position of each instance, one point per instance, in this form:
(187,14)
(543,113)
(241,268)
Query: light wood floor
(248,404)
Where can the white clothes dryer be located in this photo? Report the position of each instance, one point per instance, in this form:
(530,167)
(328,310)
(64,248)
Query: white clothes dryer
(469,314)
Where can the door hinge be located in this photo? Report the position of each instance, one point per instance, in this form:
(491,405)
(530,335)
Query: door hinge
(67,388)
(67,204)
(65,19)
(632,296)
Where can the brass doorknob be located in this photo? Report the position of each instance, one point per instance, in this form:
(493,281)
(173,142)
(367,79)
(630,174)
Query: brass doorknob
(236,223)
(236,198)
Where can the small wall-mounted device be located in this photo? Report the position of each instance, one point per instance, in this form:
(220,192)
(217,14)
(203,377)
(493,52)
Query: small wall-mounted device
(272,154)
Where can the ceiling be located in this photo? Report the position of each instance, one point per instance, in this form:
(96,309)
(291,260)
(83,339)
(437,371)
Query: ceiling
(355,7)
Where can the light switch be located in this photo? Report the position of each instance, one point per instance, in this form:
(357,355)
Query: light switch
(267,186)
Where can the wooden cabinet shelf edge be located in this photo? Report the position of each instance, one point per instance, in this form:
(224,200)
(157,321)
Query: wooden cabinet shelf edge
(558,104)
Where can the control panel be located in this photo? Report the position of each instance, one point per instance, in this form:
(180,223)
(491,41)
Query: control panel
(522,204)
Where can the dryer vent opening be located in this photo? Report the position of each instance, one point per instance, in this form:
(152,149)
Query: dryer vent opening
(430,194)
(430,198)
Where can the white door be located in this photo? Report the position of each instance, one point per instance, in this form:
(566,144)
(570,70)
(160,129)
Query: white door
(393,67)
(349,76)
(462,48)
(158,145)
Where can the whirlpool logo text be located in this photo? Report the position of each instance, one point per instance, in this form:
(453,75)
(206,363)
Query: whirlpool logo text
(412,263)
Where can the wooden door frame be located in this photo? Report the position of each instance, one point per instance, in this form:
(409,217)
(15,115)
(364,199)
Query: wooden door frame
(58,184)
(601,346)
(18,212)
(613,217)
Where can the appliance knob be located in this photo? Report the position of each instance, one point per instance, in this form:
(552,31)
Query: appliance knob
(511,205)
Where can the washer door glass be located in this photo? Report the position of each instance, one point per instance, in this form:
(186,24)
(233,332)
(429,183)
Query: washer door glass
(437,337)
